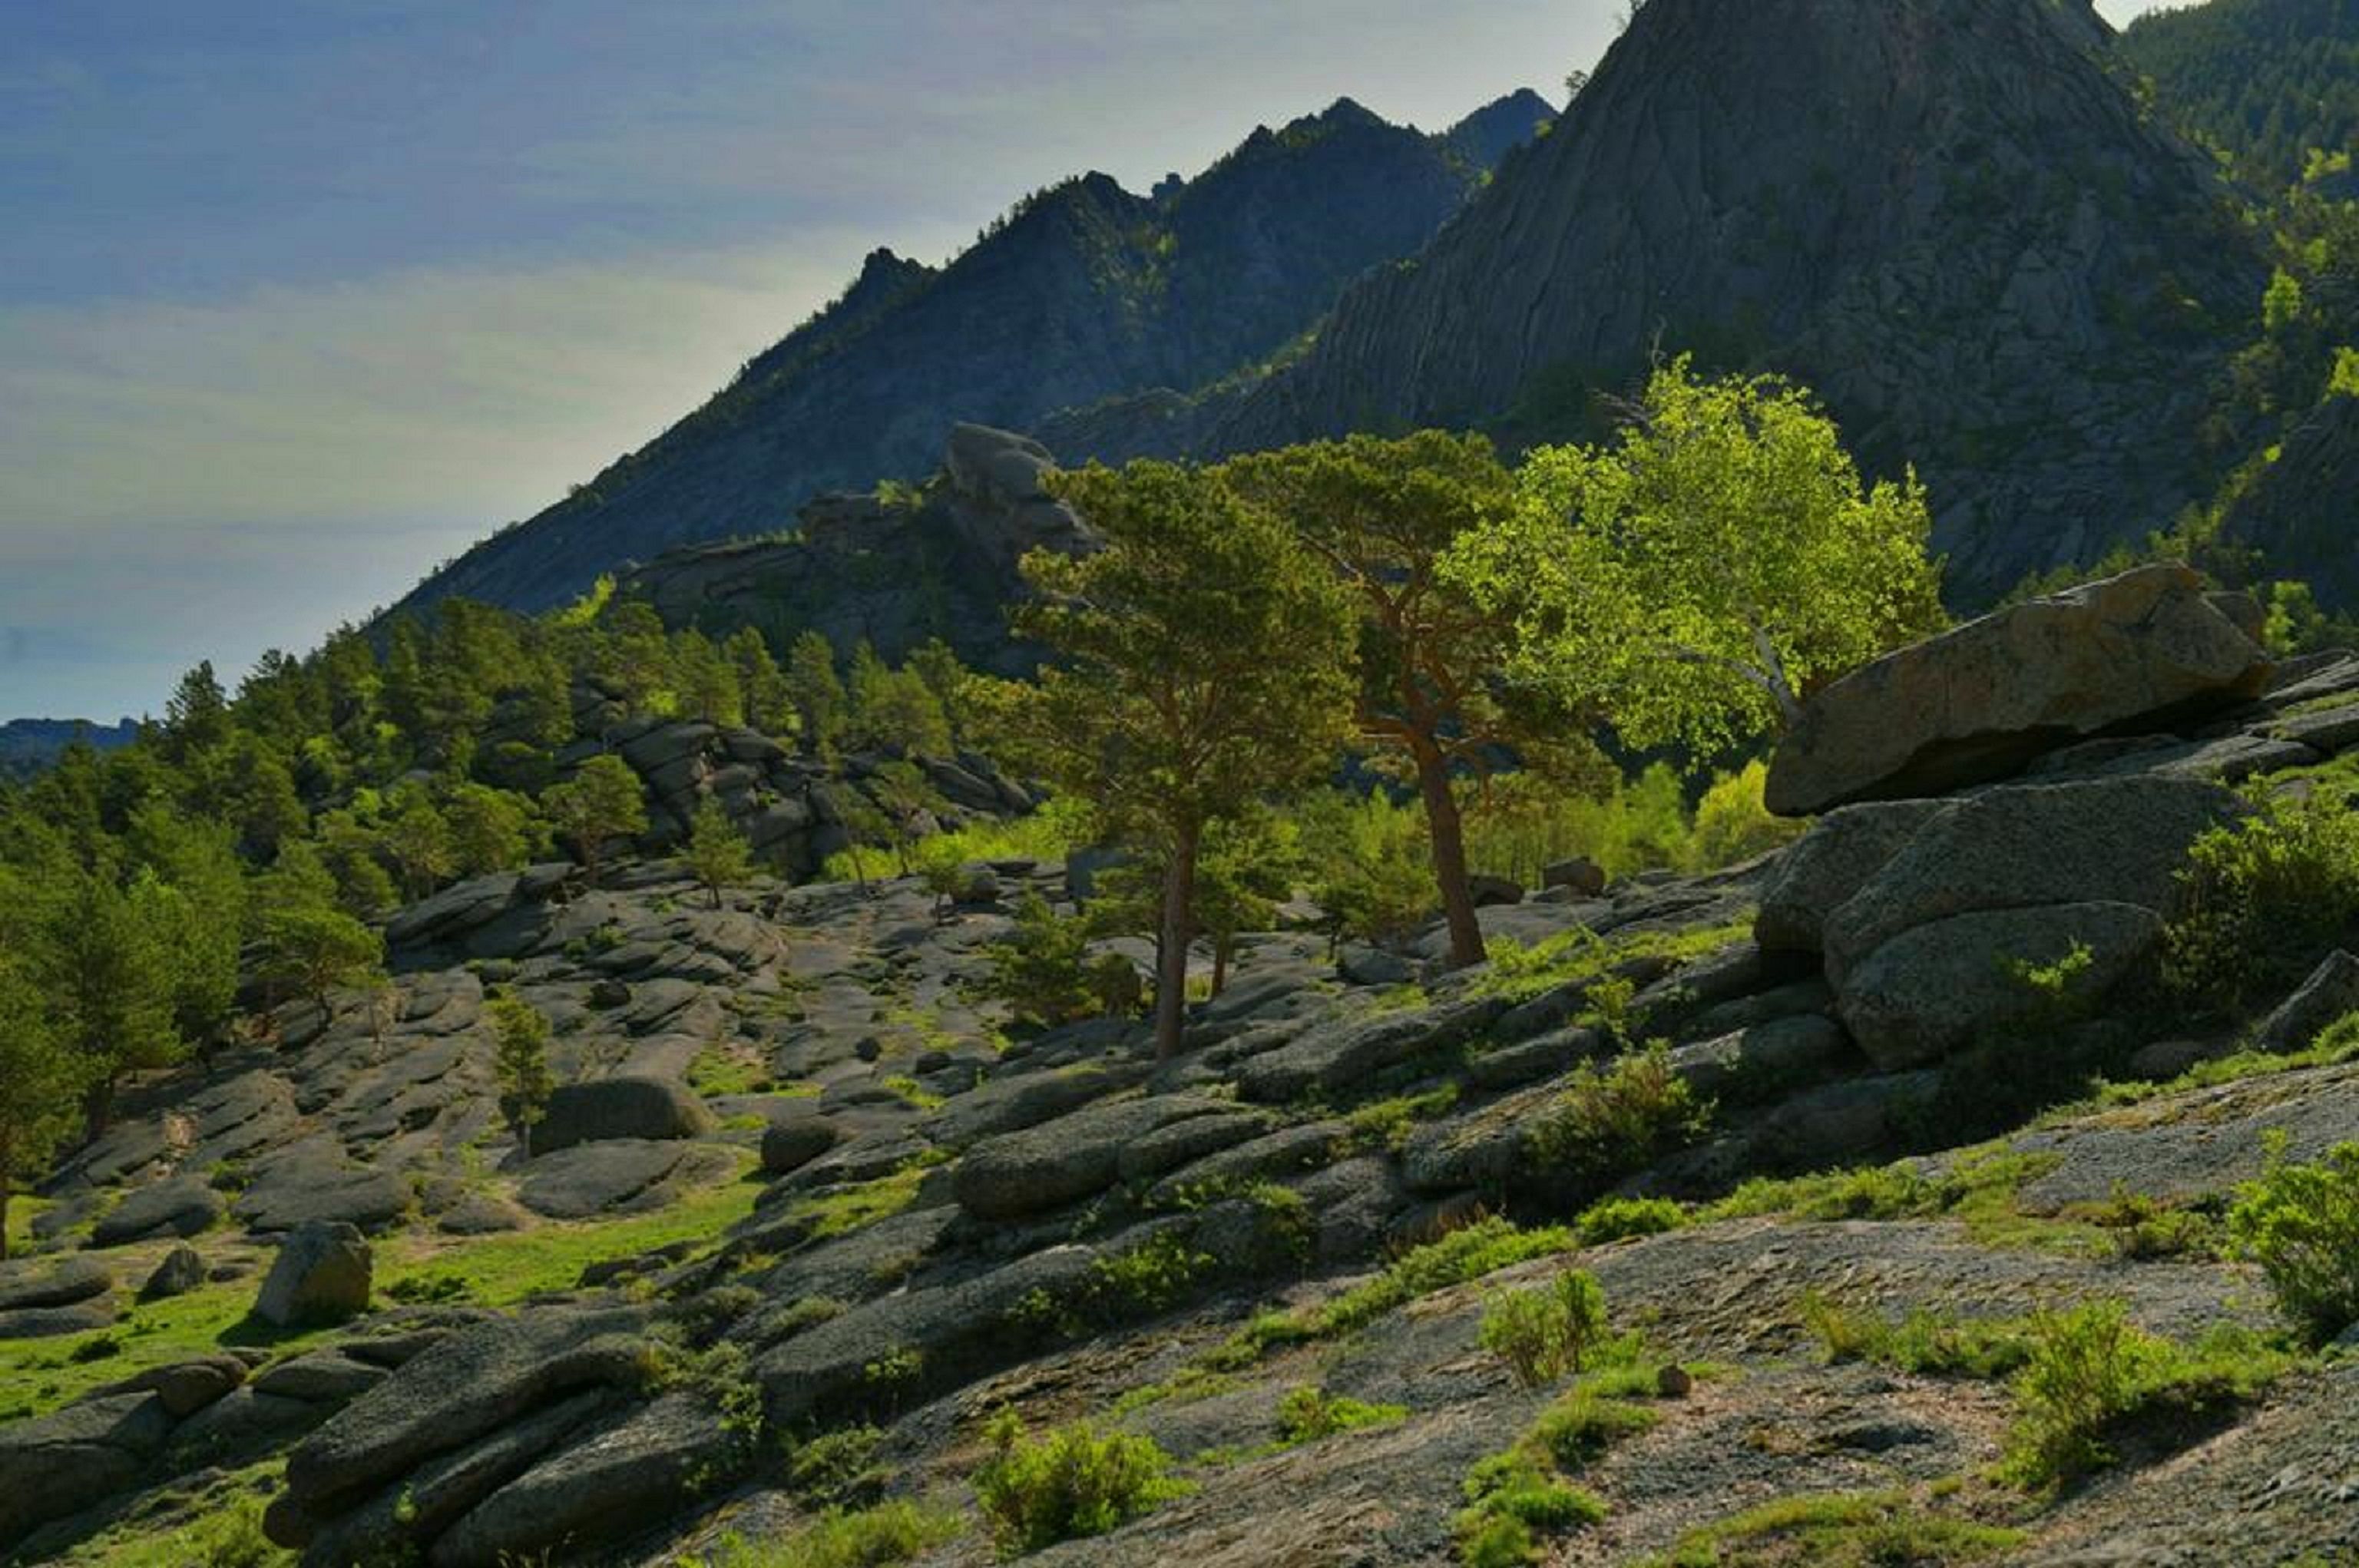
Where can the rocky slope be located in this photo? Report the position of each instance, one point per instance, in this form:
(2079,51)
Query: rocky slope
(799,1183)
(1947,216)
(1085,290)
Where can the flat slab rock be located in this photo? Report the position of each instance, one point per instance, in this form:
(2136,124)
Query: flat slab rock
(620,1176)
(1978,703)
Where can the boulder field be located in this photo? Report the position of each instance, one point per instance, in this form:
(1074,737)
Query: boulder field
(801,1183)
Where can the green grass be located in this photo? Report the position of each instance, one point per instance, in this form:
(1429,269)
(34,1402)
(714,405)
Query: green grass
(219,1526)
(868,1537)
(1483,1248)
(1980,1187)
(38,1376)
(1519,974)
(1839,1530)
(22,1208)
(728,1069)
(1924,1342)
(848,1209)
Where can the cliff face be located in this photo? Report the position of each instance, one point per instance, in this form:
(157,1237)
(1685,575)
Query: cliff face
(1086,290)
(1943,214)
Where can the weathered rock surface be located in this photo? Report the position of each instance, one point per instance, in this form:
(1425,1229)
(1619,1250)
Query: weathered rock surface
(1978,703)
(1944,983)
(62,1463)
(1831,863)
(2330,992)
(620,1107)
(321,1274)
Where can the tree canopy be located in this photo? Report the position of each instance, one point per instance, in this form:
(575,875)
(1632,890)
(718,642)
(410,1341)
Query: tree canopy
(1202,663)
(1696,578)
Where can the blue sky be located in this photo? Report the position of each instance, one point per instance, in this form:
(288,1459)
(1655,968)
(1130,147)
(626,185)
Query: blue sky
(297,299)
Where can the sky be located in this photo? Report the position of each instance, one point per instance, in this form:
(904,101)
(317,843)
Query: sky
(298,300)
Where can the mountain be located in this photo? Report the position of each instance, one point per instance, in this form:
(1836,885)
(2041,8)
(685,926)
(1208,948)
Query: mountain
(29,746)
(1947,216)
(2263,80)
(1084,291)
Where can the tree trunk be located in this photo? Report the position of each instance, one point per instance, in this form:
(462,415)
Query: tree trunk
(1220,961)
(1171,949)
(1448,834)
(7,1189)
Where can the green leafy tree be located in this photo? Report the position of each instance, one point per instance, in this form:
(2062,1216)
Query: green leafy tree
(893,709)
(1698,578)
(1039,970)
(417,840)
(520,1044)
(1202,664)
(905,800)
(718,854)
(102,957)
(42,1079)
(202,922)
(817,693)
(311,949)
(489,829)
(196,716)
(597,805)
(759,680)
(1382,513)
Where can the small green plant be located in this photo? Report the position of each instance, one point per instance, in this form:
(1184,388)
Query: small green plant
(1931,1343)
(2057,997)
(836,1468)
(1617,1219)
(1585,1423)
(1843,1529)
(875,1537)
(2300,1224)
(1074,1482)
(1544,1333)
(1615,1118)
(1307,1414)
(232,1537)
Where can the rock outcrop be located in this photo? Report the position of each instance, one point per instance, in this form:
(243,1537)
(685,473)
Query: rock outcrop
(2140,652)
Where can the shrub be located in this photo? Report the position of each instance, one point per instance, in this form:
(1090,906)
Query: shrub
(2087,1367)
(835,1467)
(2300,1224)
(1614,1119)
(1508,1496)
(1616,1219)
(1039,971)
(871,1538)
(2264,898)
(1074,1482)
(1308,1414)
(1583,1424)
(1544,1333)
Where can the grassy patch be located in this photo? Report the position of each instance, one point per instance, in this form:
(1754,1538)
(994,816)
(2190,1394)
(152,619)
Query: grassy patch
(848,1209)
(1981,1187)
(1840,1530)
(1931,1343)
(729,1068)
(219,1526)
(1385,1125)
(500,1270)
(22,1211)
(2335,1044)
(867,1538)
(1483,1248)
(1521,973)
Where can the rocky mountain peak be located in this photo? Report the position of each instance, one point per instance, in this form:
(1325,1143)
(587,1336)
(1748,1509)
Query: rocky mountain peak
(1943,214)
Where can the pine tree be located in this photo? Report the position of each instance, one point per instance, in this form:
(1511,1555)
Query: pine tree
(717,853)
(597,805)
(520,1043)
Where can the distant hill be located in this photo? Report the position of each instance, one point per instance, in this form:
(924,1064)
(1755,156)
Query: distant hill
(1084,291)
(29,746)
(2265,81)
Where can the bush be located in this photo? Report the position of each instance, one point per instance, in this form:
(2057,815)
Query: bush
(1546,1332)
(1508,1496)
(1074,1482)
(1616,1219)
(871,1538)
(2263,900)
(1039,971)
(2088,1366)
(1614,1119)
(2300,1224)
(1308,1414)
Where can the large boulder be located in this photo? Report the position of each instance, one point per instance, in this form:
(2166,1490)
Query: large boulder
(1941,987)
(321,1275)
(1831,863)
(622,1107)
(62,1463)
(2329,993)
(1082,1155)
(479,1380)
(2118,841)
(2146,649)
(184,1206)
